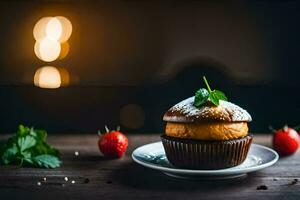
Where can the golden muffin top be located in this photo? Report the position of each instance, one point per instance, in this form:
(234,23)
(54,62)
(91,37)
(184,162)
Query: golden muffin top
(186,112)
(207,131)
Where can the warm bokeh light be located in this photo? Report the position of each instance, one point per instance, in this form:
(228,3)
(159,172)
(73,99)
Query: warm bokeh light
(47,77)
(65,76)
(65,47)
(37,49)
(39,30)
(47,50)
(51,35)
(66,29)
(54,29)
(57,28)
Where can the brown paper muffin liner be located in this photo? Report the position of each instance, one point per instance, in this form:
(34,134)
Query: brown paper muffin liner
(200,154)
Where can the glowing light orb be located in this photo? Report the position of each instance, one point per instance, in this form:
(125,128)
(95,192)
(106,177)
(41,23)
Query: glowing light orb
(51,35)
(54,29)
(65,48)
(37,50)
(39,30)
(66,29)
(47,50)
(47,77)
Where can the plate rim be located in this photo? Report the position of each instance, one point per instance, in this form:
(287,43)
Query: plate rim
(226,171)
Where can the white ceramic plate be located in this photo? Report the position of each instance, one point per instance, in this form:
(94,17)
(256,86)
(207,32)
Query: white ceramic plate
(153,156)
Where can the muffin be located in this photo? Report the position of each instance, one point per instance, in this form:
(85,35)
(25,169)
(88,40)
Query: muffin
(208,136)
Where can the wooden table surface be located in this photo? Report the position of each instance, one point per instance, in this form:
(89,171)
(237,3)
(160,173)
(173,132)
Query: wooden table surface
(99,178)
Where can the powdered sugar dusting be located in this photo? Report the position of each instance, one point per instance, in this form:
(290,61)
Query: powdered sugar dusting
(186,111)
(237,113)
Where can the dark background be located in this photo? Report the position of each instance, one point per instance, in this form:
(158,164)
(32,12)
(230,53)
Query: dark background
(130,61)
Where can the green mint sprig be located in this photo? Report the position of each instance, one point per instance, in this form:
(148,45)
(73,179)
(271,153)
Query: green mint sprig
(28,147)
(203,95)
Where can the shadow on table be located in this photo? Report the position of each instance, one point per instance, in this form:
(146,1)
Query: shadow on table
(139,177)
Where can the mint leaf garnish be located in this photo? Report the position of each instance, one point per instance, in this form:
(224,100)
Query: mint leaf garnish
(28,147)
(9,154)
(47,161)
(26,142)
(203,95)
(220,95)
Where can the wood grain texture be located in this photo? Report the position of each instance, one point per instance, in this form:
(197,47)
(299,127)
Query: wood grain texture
(99,178)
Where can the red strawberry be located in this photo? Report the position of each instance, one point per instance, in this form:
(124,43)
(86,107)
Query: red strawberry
(113,144)
(286,141)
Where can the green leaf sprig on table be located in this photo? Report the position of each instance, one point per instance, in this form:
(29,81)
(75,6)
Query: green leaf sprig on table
(204,95)
(28,147)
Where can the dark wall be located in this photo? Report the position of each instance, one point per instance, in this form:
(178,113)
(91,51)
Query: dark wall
(150,56)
